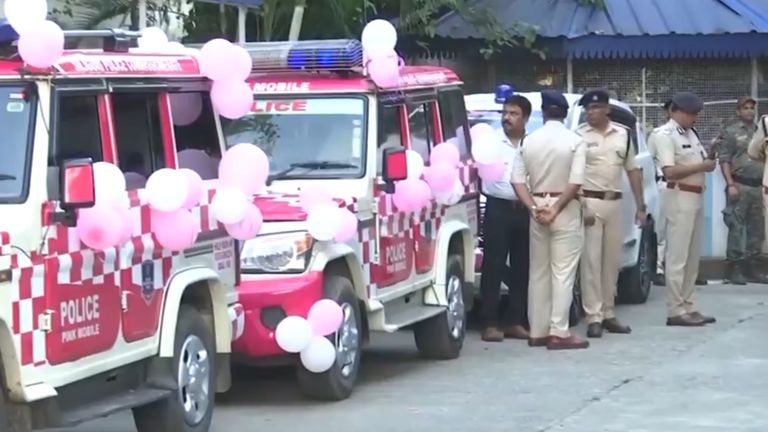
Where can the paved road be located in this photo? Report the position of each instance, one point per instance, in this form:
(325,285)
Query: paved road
(658,379)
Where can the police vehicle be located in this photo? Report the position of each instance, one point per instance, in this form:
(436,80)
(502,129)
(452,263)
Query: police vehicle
(639,251)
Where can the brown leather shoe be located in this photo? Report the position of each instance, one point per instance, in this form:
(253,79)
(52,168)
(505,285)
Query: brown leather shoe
(516,332)
(707,319)
(613,325)
(538,342)
(492,334)
(685,320)
(594,330)
(569,343)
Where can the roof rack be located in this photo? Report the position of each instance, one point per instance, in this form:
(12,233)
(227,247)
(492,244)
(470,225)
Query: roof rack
(113,40)
(330,55)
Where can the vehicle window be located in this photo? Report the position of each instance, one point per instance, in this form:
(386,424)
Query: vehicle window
(420,130)
(294,131)
(197,142)
(453,118)
(390,132)
(14,121)
(140,150)
(78,133)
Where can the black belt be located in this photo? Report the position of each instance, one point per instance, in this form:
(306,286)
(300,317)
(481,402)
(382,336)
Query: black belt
(510,202)
(661,178)
(753,182)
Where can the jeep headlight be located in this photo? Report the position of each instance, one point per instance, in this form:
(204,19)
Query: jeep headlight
(277,253)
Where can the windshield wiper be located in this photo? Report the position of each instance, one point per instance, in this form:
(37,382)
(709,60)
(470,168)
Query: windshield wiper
(7,177)
(310,165)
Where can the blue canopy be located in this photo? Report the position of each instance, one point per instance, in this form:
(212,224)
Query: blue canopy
(632,28)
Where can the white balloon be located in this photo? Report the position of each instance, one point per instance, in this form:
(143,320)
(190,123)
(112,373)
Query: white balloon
(319,356)
(451,196)
(378,35)
(229,205)
(153,38)
(415,164)
(109,183)
(167,190)
(176,48)
(22,15)
(324,221)
(486,150)
(293,334)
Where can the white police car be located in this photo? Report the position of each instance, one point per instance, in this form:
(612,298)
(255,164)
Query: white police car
(639,252)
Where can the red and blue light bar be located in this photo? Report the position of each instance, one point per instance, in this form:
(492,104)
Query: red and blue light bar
(311,55)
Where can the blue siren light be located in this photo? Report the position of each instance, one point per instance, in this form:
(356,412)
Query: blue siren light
(503,91)
(315,55)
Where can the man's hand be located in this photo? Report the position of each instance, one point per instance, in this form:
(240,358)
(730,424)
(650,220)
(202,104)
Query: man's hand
(708,165)
(733,191)
(589,220)
(640,217)
(546,215)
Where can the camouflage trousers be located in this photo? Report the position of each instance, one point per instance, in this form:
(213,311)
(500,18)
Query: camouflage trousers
(743,215)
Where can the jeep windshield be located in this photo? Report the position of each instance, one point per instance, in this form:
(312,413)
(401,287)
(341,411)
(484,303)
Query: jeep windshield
(16,110)
(305,137)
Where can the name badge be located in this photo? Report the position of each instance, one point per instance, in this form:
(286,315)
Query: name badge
(592,144)
(686,146)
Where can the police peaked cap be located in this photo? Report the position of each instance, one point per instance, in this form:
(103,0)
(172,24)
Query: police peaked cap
(688,102)
(594,96)
(550,98)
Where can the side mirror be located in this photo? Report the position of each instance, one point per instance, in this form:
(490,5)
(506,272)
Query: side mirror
(77,189)
(394,167)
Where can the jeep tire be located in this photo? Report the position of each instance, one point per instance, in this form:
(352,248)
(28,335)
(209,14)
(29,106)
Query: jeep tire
(338,382)
(190,408)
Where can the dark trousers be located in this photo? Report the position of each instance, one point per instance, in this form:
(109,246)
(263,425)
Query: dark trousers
(505,232)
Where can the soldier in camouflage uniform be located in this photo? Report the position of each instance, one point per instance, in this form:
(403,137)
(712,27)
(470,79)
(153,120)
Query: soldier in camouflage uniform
(743,213)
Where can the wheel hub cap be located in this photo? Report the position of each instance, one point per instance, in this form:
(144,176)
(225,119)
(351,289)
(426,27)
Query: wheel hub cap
(456,311)
(194,379)
(347,341)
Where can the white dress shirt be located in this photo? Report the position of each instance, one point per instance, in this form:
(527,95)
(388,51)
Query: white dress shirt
(503,188)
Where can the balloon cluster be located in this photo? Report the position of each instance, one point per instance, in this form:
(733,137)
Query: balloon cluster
(41,42)
(295,334)
(440,180)
(486,151)
(109,222)
(325,219)
(243,172)
(228,66)
(171,194)
(381,60)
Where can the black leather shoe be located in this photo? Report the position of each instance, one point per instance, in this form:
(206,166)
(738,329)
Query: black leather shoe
(595,330)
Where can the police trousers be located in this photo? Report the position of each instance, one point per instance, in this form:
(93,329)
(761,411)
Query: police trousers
(744,217)
(601,259)
(685,223)
(555,252)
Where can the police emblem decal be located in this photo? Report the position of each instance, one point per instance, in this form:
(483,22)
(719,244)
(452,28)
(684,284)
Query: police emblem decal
(147,280)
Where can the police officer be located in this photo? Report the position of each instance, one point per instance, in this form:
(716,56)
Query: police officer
(506,234)
(547,177)
(661,224)
(608,151)
(743,213)
(684,162)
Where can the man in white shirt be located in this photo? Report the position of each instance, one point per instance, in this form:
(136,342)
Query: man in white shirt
(506,234)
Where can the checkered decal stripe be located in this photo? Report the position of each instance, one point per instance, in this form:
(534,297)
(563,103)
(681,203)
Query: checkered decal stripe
(68,261)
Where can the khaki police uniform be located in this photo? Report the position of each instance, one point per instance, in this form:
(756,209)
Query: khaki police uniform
(606,158)
(661,221)
(552,158)
(684,215)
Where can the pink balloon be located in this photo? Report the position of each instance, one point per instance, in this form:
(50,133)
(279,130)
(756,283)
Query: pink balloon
(194,188)
(325,317)
(245,167)
(312,195)
(96,227)
(215,58)
(42,45)
(232,99)
(240,64)
(423,193)
(175,230)
(445,152)
(347,226)
(185,108)
(126,223)
(249,227)
(411,194)
(384,71)
(440,176)
(492,172)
